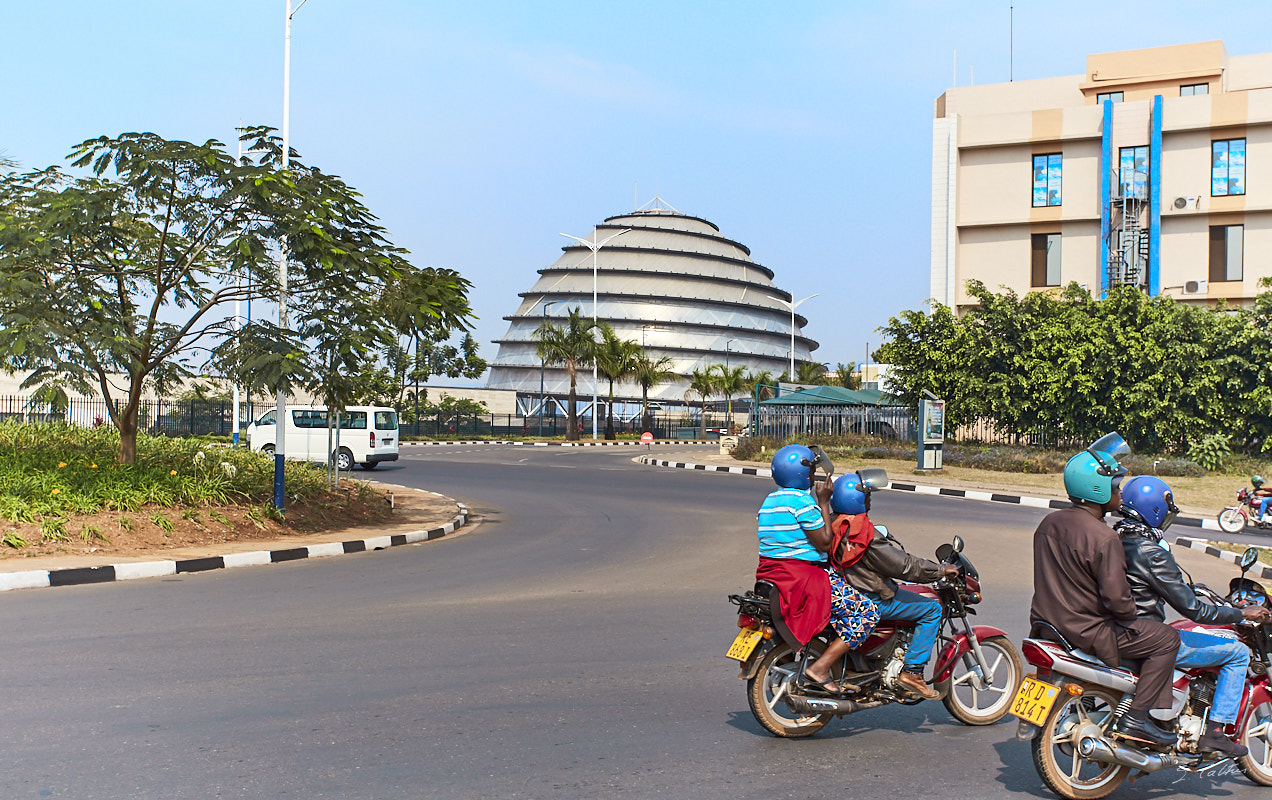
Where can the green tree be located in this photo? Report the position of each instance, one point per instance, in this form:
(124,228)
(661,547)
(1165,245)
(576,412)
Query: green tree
(810,373)
(845,377)
(129,270)
(648,374)
(702,384)
(729,381)
(616,362)
(760,383)
(571,346)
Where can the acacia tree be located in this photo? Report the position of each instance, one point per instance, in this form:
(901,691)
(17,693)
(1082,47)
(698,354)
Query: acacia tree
(648,374)
(127,271)
(571,346)
(616,361)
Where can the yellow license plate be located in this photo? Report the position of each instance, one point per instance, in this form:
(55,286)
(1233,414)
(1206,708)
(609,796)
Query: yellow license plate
(744,645)
(1034,700)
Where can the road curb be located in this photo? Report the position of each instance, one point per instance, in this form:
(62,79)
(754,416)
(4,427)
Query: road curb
(943,491)
(554,444)
(1207,547)
(40,578)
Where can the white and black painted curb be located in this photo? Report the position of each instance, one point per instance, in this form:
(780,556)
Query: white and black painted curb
(1207,547)
(39,578)
(666,443)
(943,491)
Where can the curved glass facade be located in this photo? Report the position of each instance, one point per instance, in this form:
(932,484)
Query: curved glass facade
(671,283)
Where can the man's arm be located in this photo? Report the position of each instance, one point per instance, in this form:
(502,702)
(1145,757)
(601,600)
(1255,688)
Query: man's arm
(1167,581)
(1109,570)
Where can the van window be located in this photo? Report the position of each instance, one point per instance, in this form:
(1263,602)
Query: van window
(386,420)
(354,420)
(309,419)
(268,418)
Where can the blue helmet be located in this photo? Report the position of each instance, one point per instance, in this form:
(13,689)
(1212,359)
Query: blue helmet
(1149,500)
(793,467)
(849,495)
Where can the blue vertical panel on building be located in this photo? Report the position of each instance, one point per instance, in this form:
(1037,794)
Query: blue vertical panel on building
(1106,168)
(1155,200)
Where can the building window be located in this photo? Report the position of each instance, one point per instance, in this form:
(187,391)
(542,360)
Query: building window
(1226,245)
(1046,259)
(1227,167)
(1195,88)
(1133,172)
(1046,180)
(1111,97)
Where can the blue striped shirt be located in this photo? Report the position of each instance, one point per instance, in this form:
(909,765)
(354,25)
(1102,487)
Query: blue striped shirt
(783,519)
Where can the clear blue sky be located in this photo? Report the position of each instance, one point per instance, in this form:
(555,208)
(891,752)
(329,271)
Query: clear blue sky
(478,130)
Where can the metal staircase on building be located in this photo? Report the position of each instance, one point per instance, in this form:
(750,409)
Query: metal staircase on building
(1128,238)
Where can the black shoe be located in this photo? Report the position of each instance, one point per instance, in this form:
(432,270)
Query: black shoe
(1215,741)
(1142,729)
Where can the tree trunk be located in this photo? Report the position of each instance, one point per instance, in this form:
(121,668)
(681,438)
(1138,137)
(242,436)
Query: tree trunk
(572,414)
(128,435)
(609,415)
(702,423)
(646,424)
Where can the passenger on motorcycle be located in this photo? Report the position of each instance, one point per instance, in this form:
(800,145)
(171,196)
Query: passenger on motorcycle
(1259,498)
(1155,579)
(794,531)
(875,575)
(1080,587)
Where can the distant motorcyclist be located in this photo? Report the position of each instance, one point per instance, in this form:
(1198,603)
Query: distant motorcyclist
(1260,497)
(1080,587)
(1148,506)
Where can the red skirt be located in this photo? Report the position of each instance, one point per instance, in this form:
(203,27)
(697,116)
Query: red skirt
(804,589)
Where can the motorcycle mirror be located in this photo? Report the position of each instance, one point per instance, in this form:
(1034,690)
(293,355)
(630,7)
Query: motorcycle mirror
(822,461)
(882,531)
(1248,558)
(874,477)
(958,544)
(945,552)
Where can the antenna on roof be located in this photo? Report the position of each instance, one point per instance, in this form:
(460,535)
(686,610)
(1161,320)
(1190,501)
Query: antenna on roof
(1011,43)
(635,201)
(659,204)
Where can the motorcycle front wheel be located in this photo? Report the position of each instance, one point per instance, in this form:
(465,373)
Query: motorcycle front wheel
(1055,753)
(1232,519)
(766,695)
(1257,736)
(983,706)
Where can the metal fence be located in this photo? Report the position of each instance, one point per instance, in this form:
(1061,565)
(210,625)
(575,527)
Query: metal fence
(157,417)
(888,422)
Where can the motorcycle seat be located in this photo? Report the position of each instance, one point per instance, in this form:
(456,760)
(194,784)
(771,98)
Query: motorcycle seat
(1045,630)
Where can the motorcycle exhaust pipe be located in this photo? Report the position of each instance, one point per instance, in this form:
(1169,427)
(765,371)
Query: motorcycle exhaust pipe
(1109,753)
(826,705)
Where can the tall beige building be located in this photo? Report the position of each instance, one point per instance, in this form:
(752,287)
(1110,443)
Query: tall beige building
(1152,168)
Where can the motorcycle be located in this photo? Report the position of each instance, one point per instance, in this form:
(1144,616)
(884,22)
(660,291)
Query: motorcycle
(1233,519)
(1067,708)
(976,669)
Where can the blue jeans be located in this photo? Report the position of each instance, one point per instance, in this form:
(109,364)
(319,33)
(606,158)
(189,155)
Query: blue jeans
(924,612)
(1232,658)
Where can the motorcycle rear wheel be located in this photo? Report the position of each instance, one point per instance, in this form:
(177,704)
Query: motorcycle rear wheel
(1055,754)
(765,692)
(972,706)
(1257,736)
(1231,520)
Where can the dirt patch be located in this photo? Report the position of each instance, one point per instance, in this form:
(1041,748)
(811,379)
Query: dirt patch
(153,530)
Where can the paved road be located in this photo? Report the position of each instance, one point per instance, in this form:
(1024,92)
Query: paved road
(570,645)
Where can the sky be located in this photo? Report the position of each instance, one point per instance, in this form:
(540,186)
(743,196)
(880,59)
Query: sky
(477,131)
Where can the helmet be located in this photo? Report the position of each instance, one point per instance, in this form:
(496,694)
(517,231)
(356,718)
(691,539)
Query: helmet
(1149,500)
(1257,480)
(1092,474)
(792,467)
(850,495)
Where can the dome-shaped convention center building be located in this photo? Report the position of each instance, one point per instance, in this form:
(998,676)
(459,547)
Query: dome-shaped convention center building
(673,284)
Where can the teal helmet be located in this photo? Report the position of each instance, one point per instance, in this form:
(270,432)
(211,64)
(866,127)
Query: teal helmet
(1256,480)
(1092,474)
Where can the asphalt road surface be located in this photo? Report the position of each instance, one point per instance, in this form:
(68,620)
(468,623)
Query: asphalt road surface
(569,644)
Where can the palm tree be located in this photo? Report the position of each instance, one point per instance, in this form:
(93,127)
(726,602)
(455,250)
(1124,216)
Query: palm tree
(702,383)
(572,347)
(760,384)
(730,381)
(616,360)
(811,373)
(648,374)
(844,375)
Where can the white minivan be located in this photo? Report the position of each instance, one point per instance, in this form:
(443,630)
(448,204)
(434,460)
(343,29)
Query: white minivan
(368,435)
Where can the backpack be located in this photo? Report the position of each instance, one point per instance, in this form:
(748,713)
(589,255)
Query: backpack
(851,535)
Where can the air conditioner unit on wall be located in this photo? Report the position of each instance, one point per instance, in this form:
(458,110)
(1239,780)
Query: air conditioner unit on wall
(1196,287)
(1187,203)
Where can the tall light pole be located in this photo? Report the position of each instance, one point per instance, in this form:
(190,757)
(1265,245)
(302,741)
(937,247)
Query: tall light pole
(280,411)
(594,246)
(792,307)
(542,364)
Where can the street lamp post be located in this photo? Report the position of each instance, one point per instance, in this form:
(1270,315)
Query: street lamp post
(726,373)
(542,364)
(280,412)
(792,307)
(594,246)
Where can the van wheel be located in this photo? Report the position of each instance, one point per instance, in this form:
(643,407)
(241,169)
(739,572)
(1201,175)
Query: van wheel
(344,460)
(268,449)
(370,465)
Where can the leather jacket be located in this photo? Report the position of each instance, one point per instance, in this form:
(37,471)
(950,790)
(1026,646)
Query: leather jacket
(885,561)
(1155,579)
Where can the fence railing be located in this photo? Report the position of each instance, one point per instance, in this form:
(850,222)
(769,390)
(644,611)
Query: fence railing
(888,422)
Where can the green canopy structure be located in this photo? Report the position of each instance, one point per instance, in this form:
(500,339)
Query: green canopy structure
(831,396)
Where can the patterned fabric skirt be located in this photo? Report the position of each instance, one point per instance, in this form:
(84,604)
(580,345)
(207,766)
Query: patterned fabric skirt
(852,614)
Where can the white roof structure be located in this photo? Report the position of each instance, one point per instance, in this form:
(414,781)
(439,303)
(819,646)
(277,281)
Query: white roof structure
(673,284)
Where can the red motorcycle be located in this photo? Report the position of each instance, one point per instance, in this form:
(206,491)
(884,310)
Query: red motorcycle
(976,669)
(1069,705)
(1233,519)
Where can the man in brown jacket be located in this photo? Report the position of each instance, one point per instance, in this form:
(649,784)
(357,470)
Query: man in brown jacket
(1080,588)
